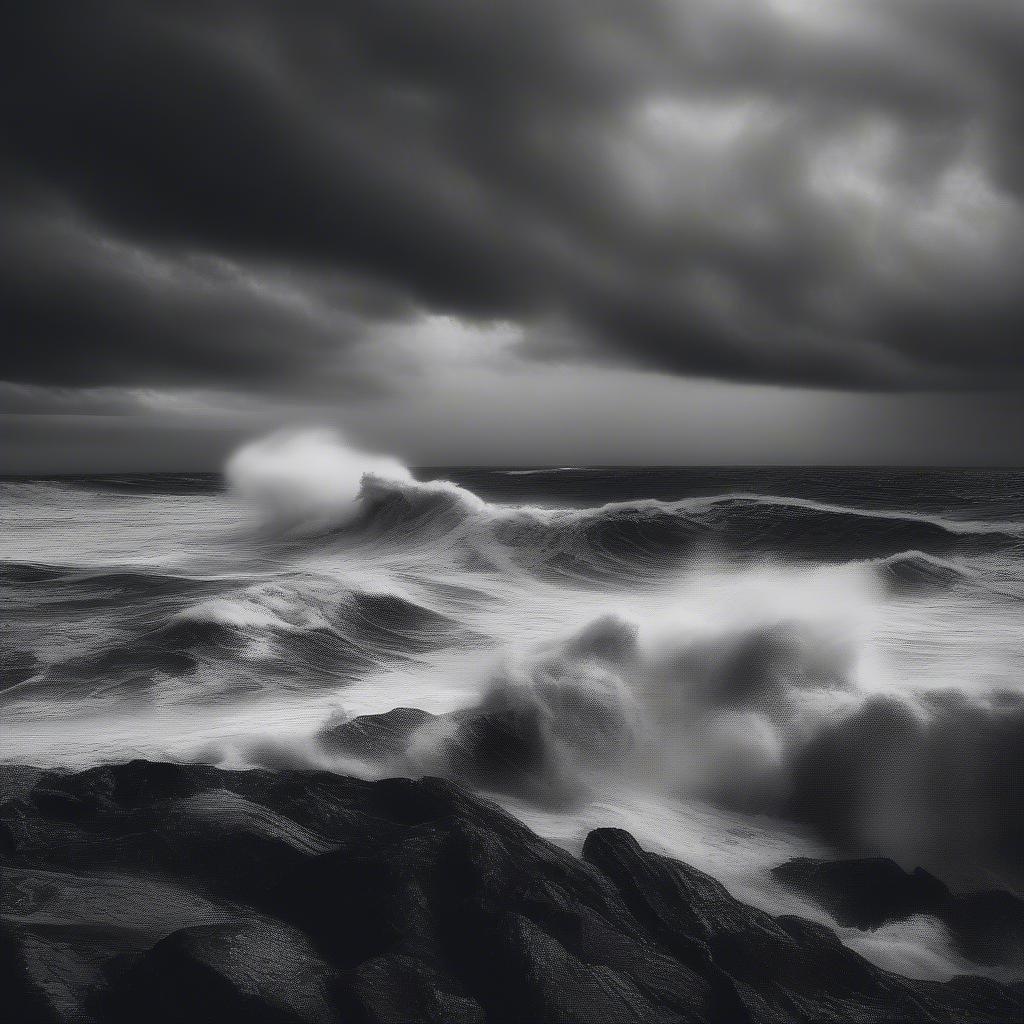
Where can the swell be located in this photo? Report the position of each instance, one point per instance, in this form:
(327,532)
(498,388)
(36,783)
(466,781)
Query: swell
(633,538)
(911,574)
(191,640)
(915,572)
(138,581)
(145,484)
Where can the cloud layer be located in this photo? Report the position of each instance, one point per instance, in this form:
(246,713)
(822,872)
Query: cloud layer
(251,195)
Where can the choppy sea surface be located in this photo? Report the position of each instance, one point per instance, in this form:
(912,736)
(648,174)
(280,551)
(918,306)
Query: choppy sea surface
(739,665)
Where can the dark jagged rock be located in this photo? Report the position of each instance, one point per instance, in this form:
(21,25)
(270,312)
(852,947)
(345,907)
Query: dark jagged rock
(865,893)
(396,989)
(259,971)
(548,984)
(502,748)
(987,926)
(17,780)
(25,995)
(236,832)
(442,871)
(178,893)
(766,968)
(64,929)
(378,739)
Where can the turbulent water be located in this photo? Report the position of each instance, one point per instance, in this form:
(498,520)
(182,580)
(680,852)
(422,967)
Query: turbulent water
(737,665)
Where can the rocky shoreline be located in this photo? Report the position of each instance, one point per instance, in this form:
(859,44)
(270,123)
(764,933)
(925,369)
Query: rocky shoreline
(173,893)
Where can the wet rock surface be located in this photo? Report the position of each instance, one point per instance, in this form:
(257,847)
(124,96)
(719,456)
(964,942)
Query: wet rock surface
(256,970)
(179,893)
(987,926)
(378,739)
(865,893)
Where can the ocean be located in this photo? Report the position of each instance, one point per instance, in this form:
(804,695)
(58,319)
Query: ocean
(737,665)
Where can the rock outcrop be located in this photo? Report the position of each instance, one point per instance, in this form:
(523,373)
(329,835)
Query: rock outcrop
(988,926)
(865,893)
(259,971)
(189,894)
(377,739)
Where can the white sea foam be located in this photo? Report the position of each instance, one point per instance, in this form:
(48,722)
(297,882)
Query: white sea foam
(701,671)
(308,480)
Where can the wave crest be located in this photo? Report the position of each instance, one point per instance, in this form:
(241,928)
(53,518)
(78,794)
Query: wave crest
(633,539)
(770,720)
(305,481)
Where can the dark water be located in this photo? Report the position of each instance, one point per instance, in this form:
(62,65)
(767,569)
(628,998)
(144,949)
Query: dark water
(958,492)
(968,493)
(737,664)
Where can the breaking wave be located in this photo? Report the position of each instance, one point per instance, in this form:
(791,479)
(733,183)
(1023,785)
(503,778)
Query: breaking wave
(312,485)
(849,674)
(768,720)
(306,480)
(632,539)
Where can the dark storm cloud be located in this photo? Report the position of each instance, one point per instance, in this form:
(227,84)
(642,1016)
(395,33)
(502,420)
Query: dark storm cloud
(88,310)
(789,191)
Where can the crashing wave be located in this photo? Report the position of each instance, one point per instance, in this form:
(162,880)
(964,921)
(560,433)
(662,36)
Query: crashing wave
(768,720)
(313,484)
(305,481)
(633,539)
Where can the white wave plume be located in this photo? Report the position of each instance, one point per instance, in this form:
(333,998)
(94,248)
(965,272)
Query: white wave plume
(306,480)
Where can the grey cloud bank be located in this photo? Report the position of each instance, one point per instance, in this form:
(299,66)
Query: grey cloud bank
(258,199)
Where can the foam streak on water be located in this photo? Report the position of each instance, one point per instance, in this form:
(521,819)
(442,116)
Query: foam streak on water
(737,668)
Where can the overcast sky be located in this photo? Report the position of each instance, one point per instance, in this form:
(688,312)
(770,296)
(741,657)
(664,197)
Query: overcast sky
(513,231)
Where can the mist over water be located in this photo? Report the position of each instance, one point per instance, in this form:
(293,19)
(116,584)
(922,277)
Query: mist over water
(305,481)
(738,668)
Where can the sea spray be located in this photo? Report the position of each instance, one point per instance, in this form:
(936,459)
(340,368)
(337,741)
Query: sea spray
(307,480)
(740,677)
